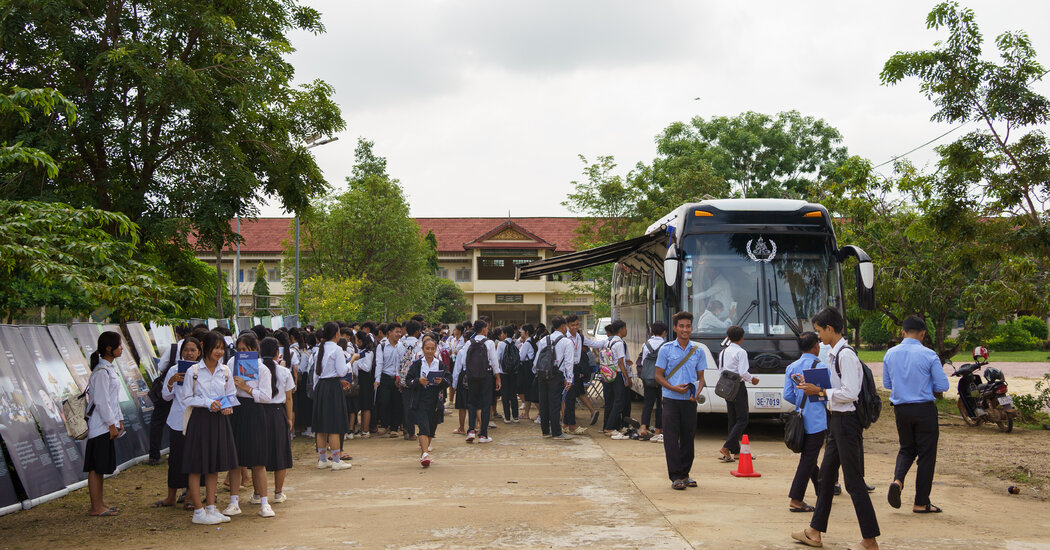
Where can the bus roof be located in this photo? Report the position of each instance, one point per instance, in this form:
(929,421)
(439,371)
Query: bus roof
(677,216)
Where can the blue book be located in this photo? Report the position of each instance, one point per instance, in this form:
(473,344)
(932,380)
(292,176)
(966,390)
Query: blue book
(228,401)
(248,365)
(184,366)
(433,376)
(818,377)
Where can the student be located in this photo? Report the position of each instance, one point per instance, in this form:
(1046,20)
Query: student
(581,375)
(363,367)
(481,370)
(680,369)
(652,395)
(734,359)
(105,421)
(330,417)
(554,389)
(422,396)
(158,420)
(913,373)
(277,410)
(388,396)
(509,365)
(814,420)
(617,402)
(843,446)
(408,350)
(190,351)
(209,446)
(526,378)
(350,355)
(304,383)
(249,429)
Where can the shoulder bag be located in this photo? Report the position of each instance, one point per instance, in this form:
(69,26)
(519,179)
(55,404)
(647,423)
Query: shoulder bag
(728,382)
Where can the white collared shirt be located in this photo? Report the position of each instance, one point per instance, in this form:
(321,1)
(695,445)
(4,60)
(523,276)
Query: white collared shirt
(425,368)
(261,386)
(104,393)
(461,358)
(845,389)
(208,386)
(654,342)
(734,359)
(581,341)
(563,352)
(285,384)
(527,351)
(177,407)
(333,363)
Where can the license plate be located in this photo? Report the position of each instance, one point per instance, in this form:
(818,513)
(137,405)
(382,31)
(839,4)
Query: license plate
(1006,400)
(767,400)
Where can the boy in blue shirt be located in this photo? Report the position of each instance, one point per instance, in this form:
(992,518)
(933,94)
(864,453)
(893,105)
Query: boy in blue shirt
(679,371)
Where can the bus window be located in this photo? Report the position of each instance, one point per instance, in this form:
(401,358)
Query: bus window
(801,280)
(720,283)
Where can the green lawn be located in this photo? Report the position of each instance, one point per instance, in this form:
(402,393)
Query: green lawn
(965,357)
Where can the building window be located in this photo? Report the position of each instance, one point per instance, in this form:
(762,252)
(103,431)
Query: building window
(273,275)
(500,268)
(442,273)
(463,275)
(240,275)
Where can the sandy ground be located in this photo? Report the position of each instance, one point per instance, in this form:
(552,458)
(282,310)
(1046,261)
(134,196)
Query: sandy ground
(526,492)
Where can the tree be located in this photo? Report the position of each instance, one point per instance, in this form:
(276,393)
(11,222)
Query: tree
(367,233)
(188,112)
(1003,167)
(450,303)
(326,299)
(261,290)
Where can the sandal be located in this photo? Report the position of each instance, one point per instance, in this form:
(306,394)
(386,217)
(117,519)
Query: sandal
(189,507)
(458,431)
(804,508)
(690,482)
(802,537)
(928,509)
(112,512)
(725,459)
(894,496)
(160,504)
(678,485)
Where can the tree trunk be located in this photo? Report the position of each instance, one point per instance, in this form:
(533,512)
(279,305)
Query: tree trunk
(222,283)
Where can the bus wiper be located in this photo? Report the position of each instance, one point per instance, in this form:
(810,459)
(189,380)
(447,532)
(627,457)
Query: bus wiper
(787,318)
(750,308)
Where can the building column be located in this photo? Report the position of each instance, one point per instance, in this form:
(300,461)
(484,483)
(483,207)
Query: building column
(543,314)
(473,308)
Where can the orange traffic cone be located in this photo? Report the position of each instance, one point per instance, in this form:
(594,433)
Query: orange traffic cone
(745,468)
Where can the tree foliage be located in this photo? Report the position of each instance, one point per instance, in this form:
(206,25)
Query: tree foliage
(449,304)
(326,299)
(261,290)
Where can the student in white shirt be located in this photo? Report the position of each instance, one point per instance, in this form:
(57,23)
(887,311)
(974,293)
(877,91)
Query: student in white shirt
(408,347)
(553,389)
(652,394)
(734,359)
(843,447)
(209,447)
(527,390)
(330,419)
(363,366)
(190,350)
(105,421)
(276,410)
(617,400)
(249,428)
(581,376)
(388,398)
(421,394)
(712,321)
(481,378)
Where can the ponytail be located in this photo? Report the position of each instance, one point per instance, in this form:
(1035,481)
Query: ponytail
(268,349)
(328,334)
(94,359)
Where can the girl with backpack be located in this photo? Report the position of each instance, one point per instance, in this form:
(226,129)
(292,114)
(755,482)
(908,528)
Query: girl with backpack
(249,430)
(276,412)
(329,412)
(209,446)
(527,391)
(191,351)
(425,380)
(105,421)
(363,368)
(509,361)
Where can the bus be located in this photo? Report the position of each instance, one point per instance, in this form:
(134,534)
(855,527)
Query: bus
(767,265)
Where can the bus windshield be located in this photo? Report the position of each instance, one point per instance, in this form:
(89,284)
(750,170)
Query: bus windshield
(769,284)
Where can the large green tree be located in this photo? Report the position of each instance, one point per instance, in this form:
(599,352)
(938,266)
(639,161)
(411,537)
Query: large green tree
(367,233)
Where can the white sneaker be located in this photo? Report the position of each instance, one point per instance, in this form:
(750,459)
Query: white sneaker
(515,421)
(202,517)
(492,424)
(341,465)
(256,499)
(213,513)
(425,460)
(266,512)
(484,439)
(536,421)
(322,464)
(366,435)
(507,421)
(619,436)
(562,437)
(349,436)
(232,510)
(658,438)
(430,448)
(308,432)
(580,430)
(470,436)
(278,498)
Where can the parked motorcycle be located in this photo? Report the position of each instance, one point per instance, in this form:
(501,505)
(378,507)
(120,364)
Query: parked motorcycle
(988,401)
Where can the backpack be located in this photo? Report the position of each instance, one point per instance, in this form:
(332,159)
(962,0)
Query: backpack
(546,360)
(510,360)
(75,413)
(607,364)
(647,369)
(155,394)
(406,362)
(868,403)
(478,359)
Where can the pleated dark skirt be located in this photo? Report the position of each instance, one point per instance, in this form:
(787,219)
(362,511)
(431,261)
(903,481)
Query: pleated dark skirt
(278,444)
(527,384)
(366,399)
(461,393)
(100,455)
(249,433)
(208,447)
(428,413)
(330,416)
(177,479)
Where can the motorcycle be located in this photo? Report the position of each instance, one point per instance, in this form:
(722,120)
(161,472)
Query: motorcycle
(988,401)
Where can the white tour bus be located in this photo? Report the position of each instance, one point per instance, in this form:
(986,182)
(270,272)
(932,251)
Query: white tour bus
(767,265)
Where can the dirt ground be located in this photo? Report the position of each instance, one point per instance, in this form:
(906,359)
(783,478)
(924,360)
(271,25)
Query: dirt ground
(526,492)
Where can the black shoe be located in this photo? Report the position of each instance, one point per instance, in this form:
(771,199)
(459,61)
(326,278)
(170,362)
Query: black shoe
(838,489)
(633,423)
(153,462)
(871,488)
(594,418)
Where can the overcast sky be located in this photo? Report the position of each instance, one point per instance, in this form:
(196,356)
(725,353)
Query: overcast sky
(500,97)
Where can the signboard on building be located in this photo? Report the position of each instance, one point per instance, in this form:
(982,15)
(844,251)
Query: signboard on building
(510,298)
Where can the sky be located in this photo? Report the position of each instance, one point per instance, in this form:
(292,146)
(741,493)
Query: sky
(501,97)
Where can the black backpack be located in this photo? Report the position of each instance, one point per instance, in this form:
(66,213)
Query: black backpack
(647,370)
(478,359)
(155,389)
(510,360)
(868,403)
(546,360)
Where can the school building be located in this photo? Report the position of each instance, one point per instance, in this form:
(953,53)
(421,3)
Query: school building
(479,254)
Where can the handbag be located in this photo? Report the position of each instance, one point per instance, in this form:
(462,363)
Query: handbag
(794,425)
(728,382)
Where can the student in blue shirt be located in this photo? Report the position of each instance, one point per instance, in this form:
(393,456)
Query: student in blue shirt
(679,371)
(913,373)
(814,419)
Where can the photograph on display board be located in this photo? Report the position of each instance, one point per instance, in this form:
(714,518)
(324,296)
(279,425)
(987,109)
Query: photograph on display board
(76,363)
(133,376)
(8,497)
(144,347)
(163,337)
(49,362)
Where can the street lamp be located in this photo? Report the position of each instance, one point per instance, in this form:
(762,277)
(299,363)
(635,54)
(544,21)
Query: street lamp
(312,142)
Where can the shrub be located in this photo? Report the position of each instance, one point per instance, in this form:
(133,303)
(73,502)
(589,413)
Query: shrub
(874,330)
(1028,406)
(1013,337)
(1035,326)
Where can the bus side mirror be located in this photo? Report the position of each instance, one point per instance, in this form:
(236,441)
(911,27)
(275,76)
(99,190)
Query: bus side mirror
(865,275)
(671,266)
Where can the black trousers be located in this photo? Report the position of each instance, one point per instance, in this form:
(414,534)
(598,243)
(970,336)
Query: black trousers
(844,450)
(616,402)
(509,395)
(550,403)
(679,432)
(570,398)
(406,414)
(918,433)
(388,405)
(479,397)
(738,418)
(807,470)
(653,399)
(158,423)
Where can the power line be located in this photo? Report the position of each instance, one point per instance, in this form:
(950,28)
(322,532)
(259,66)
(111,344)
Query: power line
(902,155)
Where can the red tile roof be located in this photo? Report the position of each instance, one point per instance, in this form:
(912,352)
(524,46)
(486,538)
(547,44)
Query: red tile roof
(265,235)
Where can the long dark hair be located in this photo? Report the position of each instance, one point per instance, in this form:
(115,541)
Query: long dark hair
(268,349)
(286,349)
(328,334)
(107,342)
(212,340)
(249,340)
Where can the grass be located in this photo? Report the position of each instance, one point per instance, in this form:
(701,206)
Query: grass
(1038,356)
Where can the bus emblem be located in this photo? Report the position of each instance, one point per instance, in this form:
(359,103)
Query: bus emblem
(762,252)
